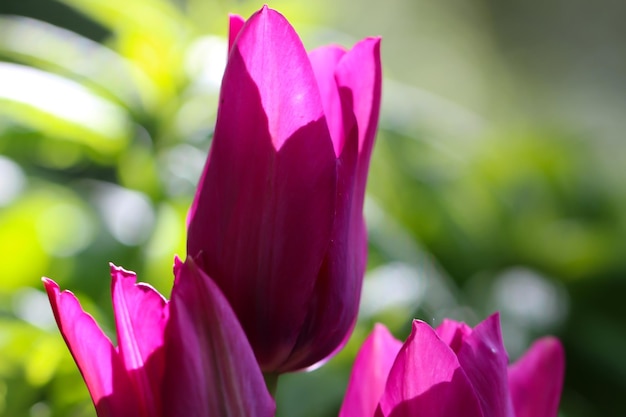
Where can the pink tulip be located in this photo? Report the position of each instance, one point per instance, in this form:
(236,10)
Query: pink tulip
(171,361)
(277,219)
(453,371)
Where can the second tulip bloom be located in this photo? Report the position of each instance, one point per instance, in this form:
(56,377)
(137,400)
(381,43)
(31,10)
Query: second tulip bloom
(451,371)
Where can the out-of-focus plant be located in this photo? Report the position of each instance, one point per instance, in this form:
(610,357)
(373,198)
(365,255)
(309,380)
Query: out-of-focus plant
(102,140)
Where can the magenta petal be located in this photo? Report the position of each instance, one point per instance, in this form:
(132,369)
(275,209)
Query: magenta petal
(102,369)
(453,333)
(369,373)
(262,217)
(235,23)
(290,98)
(324,61)
(427,380)
(338,288)
(140,317)
(484,359)
(210,369)
(360,73)
(334,304)
(536,379)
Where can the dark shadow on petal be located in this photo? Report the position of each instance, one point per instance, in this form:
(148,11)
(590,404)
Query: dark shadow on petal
(333,308)
(127,400)
(210,367)
(444,399)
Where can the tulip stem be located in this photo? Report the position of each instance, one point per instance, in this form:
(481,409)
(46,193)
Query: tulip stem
(271,380)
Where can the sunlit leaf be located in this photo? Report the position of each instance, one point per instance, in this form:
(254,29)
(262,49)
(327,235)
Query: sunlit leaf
(62,108)
(59,50)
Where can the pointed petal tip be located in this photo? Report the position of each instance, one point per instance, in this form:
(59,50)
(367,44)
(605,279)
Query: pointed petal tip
(494,316)
(388,344)
(263,11)
(536,379)
(49,283)
(267,12)
(55,294)
(178,264)
(548,346)
(52,290)
(206,343)
(113,268)
(120,270)
(235,23)
(379,327)
(551,342)
(375,41)
(419,323)
(493,323)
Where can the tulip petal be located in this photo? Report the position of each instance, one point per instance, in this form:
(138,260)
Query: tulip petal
(536,379)
(369,373)
(263,214)
(291,98)
(334,304)
(360,72)
(324,61)
(484,359)
(453,333)
(338,288)
(210,368)
(98,361)
(235,23)
(427,380)
(140,316)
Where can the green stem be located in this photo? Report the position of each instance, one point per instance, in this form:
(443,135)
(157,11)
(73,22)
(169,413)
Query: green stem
(271,381)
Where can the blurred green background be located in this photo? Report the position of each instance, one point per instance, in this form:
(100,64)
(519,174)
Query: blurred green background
(497,182)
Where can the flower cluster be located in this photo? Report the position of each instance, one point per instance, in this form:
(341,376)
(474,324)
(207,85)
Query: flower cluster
(276,254)
(453,370)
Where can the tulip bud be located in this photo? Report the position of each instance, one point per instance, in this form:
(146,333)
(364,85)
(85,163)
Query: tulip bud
(277,218)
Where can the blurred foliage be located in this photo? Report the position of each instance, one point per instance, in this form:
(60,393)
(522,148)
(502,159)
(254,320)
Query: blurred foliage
(496,182)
